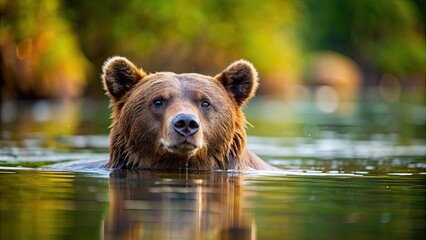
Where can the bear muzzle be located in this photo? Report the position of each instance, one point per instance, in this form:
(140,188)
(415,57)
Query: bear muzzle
(183,135)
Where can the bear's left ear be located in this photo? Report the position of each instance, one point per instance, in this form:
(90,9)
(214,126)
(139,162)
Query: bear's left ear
(240,80)
(119,76)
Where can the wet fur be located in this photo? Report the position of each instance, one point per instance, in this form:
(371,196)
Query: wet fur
(137,127)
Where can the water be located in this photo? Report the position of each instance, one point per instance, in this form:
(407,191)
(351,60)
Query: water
(41,204)
(340,180)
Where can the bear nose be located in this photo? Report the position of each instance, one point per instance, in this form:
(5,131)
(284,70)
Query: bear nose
(186,124)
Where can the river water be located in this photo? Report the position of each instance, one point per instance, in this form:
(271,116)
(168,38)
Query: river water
(342,178)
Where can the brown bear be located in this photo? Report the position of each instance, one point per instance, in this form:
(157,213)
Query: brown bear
(169,121)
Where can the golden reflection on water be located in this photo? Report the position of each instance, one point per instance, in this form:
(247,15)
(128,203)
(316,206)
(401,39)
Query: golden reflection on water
(46,204)
(158,205)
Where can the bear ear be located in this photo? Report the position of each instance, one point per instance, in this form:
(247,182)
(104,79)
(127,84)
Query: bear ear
(119,75)
(240,79)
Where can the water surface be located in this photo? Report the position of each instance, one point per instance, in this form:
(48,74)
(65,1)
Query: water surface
(340,179)
(42,204)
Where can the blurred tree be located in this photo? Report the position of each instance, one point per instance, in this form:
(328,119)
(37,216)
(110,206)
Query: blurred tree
(382,35)
(188,35)
(39,56)
(44,44)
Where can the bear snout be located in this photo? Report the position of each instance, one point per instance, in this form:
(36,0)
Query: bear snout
(183,135)
(186,124)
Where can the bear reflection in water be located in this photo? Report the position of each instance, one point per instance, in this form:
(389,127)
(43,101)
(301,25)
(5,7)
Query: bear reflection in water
(159,205)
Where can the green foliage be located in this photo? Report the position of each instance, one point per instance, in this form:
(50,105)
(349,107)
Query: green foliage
(182,35)
(39,51)
(204,36)
(387,35)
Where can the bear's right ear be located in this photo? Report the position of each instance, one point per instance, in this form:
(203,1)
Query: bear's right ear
(119,75)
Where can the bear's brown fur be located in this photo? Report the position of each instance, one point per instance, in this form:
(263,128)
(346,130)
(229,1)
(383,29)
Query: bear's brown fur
(172,121)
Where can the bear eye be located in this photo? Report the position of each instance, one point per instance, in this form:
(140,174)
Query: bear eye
(158,102)
(205,104)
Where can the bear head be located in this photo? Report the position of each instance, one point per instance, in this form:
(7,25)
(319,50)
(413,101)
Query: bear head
(172,121)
